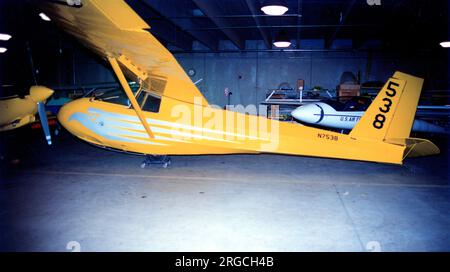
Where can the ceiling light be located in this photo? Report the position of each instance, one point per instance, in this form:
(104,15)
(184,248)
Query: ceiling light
(4,37)
(3,50)
(274,8)
(445,44)
(44,17)
(282,44)
(282,40)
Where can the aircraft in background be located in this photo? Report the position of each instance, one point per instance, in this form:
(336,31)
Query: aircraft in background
(345,116)
(168,115)
(16,112)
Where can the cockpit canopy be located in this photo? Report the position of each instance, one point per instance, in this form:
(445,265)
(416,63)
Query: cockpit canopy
(357,103)
(147,100)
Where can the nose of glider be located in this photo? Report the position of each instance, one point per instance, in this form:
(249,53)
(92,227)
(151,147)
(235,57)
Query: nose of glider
(40,93)
(309,113)
(65,113)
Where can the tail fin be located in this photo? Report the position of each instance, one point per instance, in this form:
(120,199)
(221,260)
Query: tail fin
(391,114)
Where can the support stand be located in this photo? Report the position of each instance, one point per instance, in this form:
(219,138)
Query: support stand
(164,160)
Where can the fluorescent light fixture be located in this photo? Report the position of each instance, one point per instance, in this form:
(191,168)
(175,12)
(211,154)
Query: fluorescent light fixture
(274,10)
(282,44)
(282,40)
(445,44)
(3,50)
(4,37)
(44,17)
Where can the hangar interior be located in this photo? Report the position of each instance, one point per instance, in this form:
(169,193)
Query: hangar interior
(74,196)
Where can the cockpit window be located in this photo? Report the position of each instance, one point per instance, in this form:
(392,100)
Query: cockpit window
(114,95)
(146,100)
(338,106)
(357,104)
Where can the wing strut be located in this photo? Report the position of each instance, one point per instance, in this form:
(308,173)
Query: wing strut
(129,93)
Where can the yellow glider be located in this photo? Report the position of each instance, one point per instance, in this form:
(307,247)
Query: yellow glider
(16,112)
(168,114)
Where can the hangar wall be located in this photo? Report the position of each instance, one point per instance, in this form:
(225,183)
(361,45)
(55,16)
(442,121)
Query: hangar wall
(249,74)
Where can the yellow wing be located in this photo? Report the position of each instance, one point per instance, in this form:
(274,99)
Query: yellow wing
(111,28)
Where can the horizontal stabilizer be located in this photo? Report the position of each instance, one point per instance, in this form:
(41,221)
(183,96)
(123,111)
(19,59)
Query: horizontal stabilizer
(416,147)
(420,147)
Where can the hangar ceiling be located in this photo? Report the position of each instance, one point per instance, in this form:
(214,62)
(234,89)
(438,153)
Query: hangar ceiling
(217,25)
(199,26)
(391,25)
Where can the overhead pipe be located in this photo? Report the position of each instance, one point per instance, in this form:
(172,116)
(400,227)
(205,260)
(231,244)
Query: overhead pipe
(259,50)
(225,16)
(210,9)
(278,26)
(351,50)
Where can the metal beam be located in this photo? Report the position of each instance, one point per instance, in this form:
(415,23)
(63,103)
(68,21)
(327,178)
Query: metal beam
(164,30)
(344,15)
(293,50)
(233,16)
(283,26)
(212,10)
(167,12)
(299,30)
(264,34)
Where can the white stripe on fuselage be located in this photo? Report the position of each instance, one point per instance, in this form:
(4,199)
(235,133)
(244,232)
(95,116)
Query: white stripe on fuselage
(126,125)
(134,123)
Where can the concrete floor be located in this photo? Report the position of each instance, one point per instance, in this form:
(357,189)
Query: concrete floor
(72,195)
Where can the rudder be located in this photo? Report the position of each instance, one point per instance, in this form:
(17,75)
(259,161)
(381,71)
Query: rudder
(391,114)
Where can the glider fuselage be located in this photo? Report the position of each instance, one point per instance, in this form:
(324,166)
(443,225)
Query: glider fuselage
(188,129)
